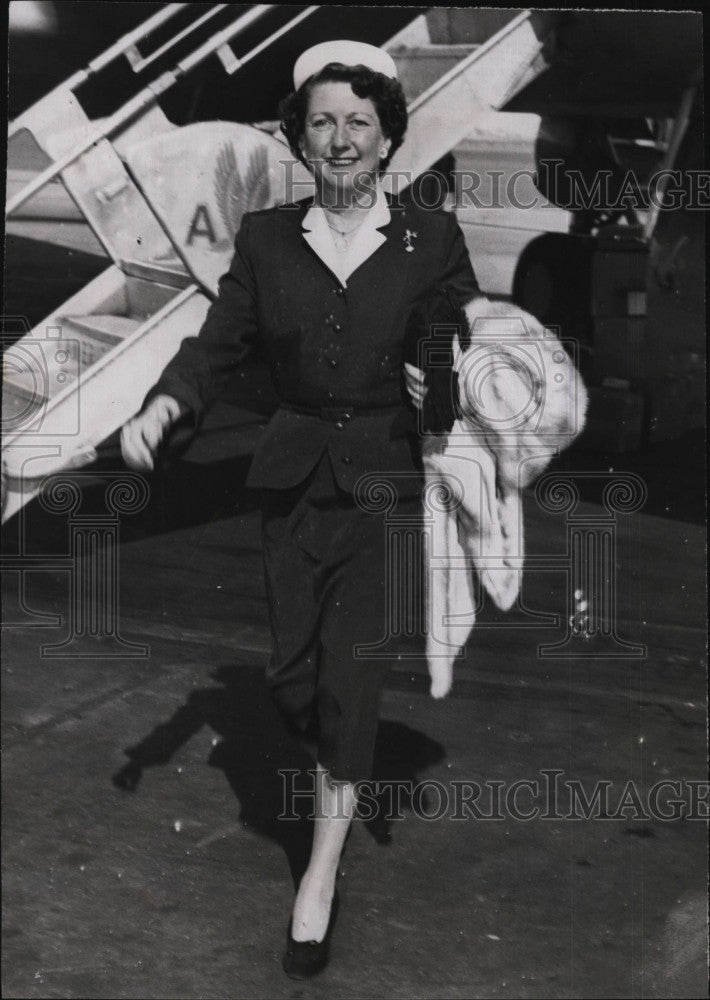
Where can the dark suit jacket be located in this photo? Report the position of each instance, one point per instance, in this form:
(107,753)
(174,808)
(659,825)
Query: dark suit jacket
(327,346)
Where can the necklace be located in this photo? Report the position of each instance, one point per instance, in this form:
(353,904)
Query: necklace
(342,238)
(341,241)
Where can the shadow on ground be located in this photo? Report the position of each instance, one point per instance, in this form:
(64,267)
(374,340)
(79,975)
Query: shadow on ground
(255,746)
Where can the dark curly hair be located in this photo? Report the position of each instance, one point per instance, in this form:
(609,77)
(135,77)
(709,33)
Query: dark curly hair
(384,92)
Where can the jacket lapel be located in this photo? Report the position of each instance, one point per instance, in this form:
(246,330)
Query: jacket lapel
(380,282)
(366,244)
(388,267)
(317,236)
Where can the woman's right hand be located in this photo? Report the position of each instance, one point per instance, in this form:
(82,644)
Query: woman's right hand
(141,436)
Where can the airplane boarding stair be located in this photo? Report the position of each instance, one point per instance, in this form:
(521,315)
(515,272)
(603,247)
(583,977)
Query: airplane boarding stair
(165,203)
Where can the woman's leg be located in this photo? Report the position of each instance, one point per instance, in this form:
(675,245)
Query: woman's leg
(325,572)
(348,697)
(335,806)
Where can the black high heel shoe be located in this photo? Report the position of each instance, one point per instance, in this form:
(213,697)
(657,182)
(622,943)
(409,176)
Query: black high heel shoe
(304,959)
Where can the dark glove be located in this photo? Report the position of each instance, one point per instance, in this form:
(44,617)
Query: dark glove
(429,336)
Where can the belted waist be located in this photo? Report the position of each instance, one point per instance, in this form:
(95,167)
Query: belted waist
(336,414)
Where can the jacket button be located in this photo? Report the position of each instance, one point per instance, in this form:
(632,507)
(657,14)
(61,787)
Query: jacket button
(333,363)
(347,460)
(338,291)
(337,328)
(339,424)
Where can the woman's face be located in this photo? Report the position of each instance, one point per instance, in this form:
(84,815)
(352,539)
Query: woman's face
(343,138)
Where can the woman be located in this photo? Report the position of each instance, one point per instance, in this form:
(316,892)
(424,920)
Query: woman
(326,286)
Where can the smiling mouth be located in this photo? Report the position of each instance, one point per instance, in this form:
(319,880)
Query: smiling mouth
(341,161)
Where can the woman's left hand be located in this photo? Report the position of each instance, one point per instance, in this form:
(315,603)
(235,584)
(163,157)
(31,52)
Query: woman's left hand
(416,384)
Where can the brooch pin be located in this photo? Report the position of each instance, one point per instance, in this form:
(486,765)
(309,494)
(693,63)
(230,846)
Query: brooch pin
(408,240)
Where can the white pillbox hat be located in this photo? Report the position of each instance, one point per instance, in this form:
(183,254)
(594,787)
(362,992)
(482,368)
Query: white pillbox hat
(343,51)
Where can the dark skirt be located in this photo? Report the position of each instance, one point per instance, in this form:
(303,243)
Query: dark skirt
(344,582)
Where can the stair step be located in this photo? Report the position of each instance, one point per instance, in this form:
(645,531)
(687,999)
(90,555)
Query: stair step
(144,297)
(89,337)
(171,272)
(51,365)
(462,24)
(421,66)
(30,378)
(21,407)
(452,50)
(104,326)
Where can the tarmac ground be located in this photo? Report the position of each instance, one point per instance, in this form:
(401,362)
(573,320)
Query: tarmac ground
(143,856)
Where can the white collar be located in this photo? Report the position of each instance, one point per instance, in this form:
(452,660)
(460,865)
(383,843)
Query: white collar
(377,216)
(366,240)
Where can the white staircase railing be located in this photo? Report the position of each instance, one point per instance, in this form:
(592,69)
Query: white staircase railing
(124,46)
(218,44)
